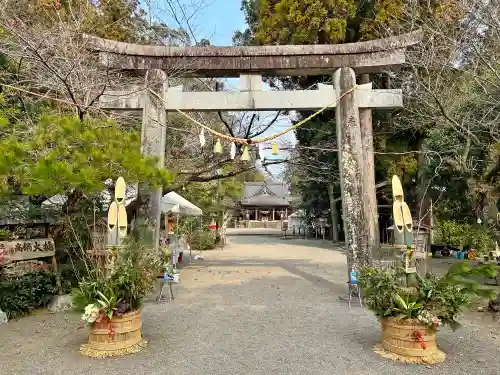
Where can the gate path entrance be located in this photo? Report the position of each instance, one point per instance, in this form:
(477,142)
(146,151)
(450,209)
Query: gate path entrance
(351,94)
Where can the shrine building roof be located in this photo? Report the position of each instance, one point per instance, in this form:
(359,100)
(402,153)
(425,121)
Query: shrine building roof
(265,194)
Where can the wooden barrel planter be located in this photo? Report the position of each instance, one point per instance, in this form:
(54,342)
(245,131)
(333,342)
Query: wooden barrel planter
(118,336)
(408,341)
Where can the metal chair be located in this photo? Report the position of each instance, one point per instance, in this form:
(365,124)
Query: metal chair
(162,298)
(354,290)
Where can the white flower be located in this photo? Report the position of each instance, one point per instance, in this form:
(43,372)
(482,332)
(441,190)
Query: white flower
(91,313)
(427,318)
(89,308)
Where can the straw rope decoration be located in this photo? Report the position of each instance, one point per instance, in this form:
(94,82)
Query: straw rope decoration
(244,141)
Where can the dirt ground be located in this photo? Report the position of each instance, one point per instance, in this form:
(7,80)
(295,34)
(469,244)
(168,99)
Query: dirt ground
(261,305)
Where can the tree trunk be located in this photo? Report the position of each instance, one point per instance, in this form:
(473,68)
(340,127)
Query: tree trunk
(424,200)
(334,214)
(222,224)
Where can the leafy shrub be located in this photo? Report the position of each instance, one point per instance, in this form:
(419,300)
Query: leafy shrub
(166,254)
(5,235)
(20,295)
(202,240)
(433,300)
(133,278)
(462,234)
(70,275)
(87,292)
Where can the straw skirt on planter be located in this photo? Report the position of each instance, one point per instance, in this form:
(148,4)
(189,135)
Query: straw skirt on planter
(119,336)
(409,342)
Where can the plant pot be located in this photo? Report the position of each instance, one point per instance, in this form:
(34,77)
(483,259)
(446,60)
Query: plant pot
(399,343)
(119,336)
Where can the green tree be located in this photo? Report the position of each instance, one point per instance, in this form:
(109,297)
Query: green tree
(319,22)
(121,20)
(57,154)
(61,154)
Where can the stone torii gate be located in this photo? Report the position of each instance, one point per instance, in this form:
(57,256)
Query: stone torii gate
(353,104)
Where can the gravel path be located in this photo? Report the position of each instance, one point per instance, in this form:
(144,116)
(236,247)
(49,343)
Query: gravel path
(260,306)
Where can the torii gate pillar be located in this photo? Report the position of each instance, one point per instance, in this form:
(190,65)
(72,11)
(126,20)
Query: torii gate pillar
(153,138)
(370,194)
(351,167)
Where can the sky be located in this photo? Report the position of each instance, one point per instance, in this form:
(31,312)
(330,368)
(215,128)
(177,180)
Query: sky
(217,20)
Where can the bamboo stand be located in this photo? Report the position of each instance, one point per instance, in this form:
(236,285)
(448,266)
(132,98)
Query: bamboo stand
(119,335)
(406,340)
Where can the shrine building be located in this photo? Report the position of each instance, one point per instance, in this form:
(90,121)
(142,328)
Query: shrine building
(264,204)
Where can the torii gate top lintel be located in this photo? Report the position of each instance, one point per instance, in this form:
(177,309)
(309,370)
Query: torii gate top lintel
(285,60)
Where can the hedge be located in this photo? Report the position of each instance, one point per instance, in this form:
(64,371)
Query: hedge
(20,295)
(202,240)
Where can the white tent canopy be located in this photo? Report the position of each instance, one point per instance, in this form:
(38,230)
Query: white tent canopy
(298,214)
(173,202)
(297,219)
